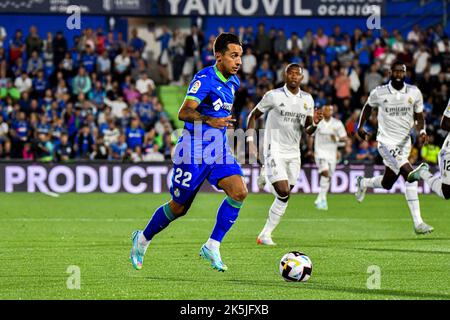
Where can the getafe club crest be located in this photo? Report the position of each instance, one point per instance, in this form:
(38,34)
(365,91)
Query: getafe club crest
(176,192)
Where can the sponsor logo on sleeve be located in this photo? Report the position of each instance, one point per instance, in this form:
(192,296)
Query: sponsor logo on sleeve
(197,84)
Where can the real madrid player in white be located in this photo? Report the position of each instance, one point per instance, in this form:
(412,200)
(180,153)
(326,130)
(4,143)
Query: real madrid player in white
(441,183)
(330,133)
(400,106)
(289,110)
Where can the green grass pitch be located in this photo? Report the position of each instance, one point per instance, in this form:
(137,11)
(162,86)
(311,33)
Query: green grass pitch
(41,236)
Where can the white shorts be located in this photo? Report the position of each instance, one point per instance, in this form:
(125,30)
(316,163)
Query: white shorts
(444,165)
(324,164)
(395,157)
(281,169)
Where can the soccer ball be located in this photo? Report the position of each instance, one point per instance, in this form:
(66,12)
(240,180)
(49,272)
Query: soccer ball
(295,266)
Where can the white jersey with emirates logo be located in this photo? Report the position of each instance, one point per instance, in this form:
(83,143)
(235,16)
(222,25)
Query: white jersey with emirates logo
(285,121)
(324,146)
(396,110)
(447,114)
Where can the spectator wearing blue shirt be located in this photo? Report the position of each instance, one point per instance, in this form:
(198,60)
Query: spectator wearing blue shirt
(40,84)
(136,43)
(84,143)
(134,134)
(89,59)
(119,149)
(264,71)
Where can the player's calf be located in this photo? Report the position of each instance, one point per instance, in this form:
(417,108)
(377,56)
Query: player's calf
(446,191)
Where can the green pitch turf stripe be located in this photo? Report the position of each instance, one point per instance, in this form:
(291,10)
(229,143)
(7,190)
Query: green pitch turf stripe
(234,203)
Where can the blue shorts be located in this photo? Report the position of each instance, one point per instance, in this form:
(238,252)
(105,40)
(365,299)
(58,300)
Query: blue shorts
(187,178)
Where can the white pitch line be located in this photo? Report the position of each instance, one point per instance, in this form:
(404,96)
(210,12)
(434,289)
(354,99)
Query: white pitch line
(198,219)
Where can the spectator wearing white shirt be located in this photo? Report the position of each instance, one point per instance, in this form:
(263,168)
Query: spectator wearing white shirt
(3,35)
(145,85)
(23,83)
(122,64)
(249,62)
(421,62)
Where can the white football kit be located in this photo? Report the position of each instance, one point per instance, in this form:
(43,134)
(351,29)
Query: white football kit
(444,154)
(396,110)
(325,149)
(286,117)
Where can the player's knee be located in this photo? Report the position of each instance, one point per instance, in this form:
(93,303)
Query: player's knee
(239,194)
(283,193)
(325,174)
(178,210)
(387,184)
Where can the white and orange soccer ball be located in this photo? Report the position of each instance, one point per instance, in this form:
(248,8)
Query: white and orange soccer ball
(295,266)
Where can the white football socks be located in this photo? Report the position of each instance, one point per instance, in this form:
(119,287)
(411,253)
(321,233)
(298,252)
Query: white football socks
(412,197)
(374,182)
(324,187)
(212,244)
(142,241)
(276,211)
(435,183)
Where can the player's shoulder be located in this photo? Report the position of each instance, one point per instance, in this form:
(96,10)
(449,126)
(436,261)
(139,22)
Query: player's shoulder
(205,73)
(273,93)
(412,88)
(306,95)
(381,90)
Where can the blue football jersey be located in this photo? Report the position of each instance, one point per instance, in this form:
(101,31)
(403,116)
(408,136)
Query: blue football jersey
(214,93)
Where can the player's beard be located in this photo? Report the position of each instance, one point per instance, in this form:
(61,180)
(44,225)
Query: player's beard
(397,83)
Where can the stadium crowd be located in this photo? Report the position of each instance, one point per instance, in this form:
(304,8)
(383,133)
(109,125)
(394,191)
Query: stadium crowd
(98,99)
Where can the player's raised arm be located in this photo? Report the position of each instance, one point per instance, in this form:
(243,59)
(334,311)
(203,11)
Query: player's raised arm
(312,121)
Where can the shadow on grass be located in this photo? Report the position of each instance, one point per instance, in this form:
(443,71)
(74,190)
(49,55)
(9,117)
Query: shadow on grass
(311,286)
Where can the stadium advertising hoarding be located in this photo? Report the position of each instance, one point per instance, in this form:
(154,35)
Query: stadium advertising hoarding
(156,177)
(245,8)
(97,7)
(267,8)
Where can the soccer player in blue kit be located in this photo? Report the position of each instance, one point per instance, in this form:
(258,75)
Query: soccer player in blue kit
(205,155)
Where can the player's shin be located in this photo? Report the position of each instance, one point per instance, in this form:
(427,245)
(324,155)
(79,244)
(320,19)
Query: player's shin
(276,211)
(324,187)
(159,221)
(435,183)
(226,217)
(374,182)
(412,197)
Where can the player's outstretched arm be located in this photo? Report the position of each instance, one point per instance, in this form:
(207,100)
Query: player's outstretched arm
(365,114)
(188,113)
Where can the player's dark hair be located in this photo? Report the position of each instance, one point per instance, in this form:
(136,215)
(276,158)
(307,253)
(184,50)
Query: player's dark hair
(398,63)
(223,40)
(293,65)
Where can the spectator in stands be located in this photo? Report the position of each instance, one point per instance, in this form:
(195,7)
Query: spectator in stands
(145,85)
(429,152)
(372,79)
(23,83)
(33,42)
(64,150)
(84,145)
(82,82)
(119,149)
(262,41)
